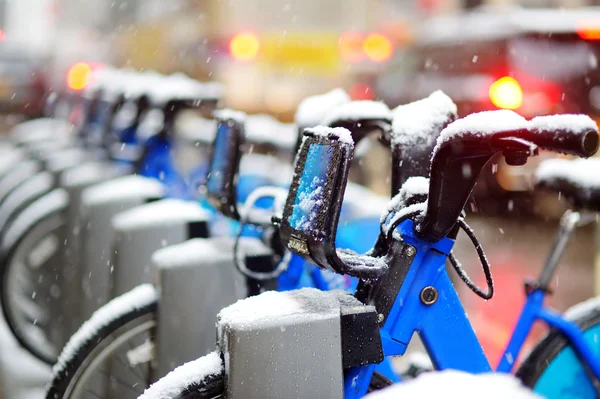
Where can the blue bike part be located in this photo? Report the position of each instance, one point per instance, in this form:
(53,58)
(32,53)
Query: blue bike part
(158,164)
(358,235)
(408,315)
(565,376)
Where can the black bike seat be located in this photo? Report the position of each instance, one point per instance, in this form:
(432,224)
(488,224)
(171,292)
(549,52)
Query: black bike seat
(577,180)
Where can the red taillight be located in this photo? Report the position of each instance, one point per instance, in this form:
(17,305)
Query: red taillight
(588,30)
(78,76)
(361,91)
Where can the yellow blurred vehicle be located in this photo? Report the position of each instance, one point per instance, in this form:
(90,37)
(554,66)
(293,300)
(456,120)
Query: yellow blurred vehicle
(533,61)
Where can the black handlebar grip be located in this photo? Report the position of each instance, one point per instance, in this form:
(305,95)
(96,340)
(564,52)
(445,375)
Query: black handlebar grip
(569,134)
(466,145)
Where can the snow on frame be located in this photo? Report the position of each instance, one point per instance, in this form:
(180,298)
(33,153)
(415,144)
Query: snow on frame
(490,122)
(139,297)
(413,186)
(228,113)
(453,384)
(313,109)
(122,188)
(357,110)
(190,251)
(178,380)
(160,212)
(343,134)
(415,123)
(584,173)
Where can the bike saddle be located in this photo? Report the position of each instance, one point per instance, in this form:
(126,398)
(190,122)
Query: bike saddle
(577,180)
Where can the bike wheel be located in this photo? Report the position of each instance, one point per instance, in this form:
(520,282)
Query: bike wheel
(554,370)
(30,255)
(111,355)
(199,379)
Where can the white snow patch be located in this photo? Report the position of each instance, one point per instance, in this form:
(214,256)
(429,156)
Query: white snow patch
(33,187)
(263,128)
(189,251)
(87,173)
(194,128)
(584,173)
(342,133)
(362,263)
(583,309)
(272,307)
(176,382)
(357,110)
(413,186)
(480,124)
(177,86)
(66,158)
(417,123)
(137,298)
(264,165)
(54,201)
(122,188)
(313,109)
(309,201)
(457,384)
(568,122)
(227,113)
(160,212)
(42,129)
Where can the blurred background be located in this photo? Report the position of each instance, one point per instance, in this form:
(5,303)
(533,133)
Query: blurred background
(533,56)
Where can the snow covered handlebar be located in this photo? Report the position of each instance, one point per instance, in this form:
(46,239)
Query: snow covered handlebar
(466,145)
(312,209)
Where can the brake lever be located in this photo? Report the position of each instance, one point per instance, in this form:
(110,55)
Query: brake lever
(518,150)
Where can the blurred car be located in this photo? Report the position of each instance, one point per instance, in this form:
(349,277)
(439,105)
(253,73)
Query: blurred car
(532,61)
(23,83)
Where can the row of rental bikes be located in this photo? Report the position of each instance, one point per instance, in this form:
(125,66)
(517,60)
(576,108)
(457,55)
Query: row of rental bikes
(126,234)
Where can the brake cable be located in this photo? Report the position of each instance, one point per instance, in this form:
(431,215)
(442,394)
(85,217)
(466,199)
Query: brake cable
(484,264)
(239,264)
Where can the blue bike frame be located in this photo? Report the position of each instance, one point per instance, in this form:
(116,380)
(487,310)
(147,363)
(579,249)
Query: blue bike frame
(455,346)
